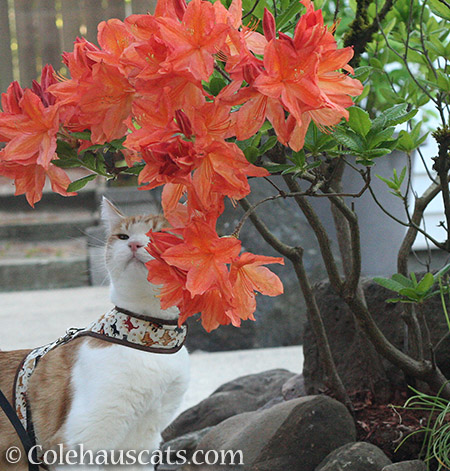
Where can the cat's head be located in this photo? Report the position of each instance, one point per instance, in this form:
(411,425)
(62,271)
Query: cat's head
(126,256)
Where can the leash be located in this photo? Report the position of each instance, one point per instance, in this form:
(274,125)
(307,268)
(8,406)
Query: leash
(27,442)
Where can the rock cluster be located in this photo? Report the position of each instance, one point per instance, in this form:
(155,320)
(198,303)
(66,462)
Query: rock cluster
(266,422)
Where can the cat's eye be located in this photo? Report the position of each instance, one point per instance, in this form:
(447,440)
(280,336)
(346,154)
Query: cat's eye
(123,236)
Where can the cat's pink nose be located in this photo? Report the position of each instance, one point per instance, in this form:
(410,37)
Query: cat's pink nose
(134,246)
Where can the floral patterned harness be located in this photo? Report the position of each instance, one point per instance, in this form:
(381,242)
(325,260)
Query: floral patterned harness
(117,326)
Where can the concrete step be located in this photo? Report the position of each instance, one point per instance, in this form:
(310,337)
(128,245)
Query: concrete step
(59,227)
(45,273)
(60,243)
(43,265)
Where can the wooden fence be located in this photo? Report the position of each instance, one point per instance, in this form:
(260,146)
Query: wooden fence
(36,32)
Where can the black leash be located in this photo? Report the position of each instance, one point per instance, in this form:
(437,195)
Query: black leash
(27,442)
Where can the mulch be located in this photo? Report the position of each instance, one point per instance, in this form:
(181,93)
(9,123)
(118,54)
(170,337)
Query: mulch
(389,426)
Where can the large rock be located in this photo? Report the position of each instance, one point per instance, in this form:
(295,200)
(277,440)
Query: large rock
(358,456)
(357,369)
(243,394)
(292,436)
(185,444)
(294,387)
(414,465)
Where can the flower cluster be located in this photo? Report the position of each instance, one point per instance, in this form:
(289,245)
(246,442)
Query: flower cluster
(146,81)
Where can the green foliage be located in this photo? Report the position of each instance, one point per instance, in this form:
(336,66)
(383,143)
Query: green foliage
(92,157)
(395,183)
(412,291)
(437,428)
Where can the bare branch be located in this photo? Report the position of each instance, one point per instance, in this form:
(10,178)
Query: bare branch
(320,232)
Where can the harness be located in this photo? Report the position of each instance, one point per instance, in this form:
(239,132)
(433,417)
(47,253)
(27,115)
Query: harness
(118,326)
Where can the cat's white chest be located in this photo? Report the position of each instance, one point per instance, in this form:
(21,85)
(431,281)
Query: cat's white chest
(123,398)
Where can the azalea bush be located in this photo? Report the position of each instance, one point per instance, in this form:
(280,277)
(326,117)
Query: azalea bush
(150,94)
(201,97)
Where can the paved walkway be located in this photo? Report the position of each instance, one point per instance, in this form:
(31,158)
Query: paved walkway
(33,318)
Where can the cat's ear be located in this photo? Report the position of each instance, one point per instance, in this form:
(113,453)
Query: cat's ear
(111,216)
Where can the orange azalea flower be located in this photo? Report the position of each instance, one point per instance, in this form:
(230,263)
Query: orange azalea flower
(30,135)
(247,275)
(290,76)
(240,36)
(204,255)
(168,162)
(211,121)
(114,37)
(195,40)
(223,169)
(103,102)
(171,279)
(98,95)
(171,9)
(30,179)
(214,309)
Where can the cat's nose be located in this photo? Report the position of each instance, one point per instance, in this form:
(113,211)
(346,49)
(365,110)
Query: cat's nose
(134,246)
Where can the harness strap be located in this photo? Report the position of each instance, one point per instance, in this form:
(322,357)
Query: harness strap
(27,442)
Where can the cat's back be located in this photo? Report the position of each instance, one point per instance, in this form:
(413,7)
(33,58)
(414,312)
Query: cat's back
(9,363)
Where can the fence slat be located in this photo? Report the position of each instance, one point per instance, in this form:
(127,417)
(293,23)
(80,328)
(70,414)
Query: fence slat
(93,15)
(40,41)
(143,6)
(49,35)
(26,40)
(6,72)
(115,9)
(71,16)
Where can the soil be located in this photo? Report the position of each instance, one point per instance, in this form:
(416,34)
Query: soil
(394,429)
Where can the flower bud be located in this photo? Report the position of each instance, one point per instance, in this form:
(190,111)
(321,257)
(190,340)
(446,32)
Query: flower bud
(180,7)
(269,25)
(183,123)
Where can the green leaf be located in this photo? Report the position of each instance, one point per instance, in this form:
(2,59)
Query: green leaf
(89,160)
(392,185)
(85,135)
(269,144)
(287,16)
(398,114)
(66,163)
(403,280)
(425,283)
(389,284)
(359,120)
(375,138)
(251,154)
(216,84)
(81,183)
(64,149)
(349,139)
(410,293)
(278,168)
(117,144)
(94,147)
(375,153)
(406,142)
(362,73)
(439,9)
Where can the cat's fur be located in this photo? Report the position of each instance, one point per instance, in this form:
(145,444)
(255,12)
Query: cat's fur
(98,394)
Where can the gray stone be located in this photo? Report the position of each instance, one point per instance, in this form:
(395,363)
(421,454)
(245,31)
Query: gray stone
(294,387)
(358,371)
(414,465)
(295,435)
(188,443)
(247,393)
(358,456)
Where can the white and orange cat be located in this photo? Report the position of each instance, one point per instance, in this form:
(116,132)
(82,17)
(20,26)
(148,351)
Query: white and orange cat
(98,394)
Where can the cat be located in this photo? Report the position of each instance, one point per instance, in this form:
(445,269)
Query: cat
(99,394)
